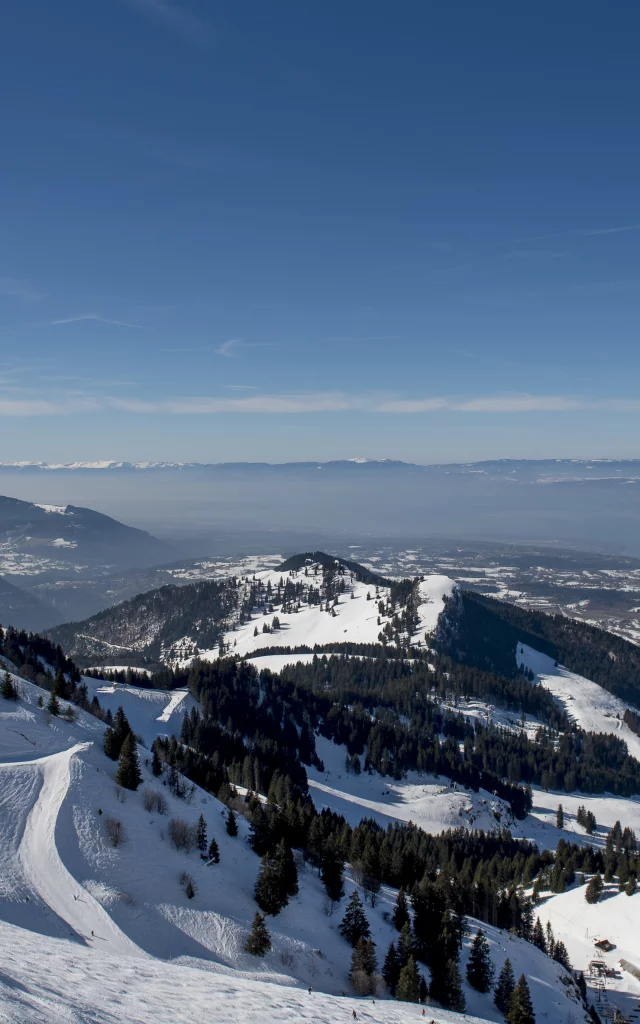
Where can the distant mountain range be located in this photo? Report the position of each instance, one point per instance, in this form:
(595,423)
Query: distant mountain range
(549,470)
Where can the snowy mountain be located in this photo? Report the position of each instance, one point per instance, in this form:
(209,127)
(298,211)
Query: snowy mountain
(314,598)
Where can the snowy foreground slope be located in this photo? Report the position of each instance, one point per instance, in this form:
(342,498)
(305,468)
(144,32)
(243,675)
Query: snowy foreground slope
(96,933)
(48,981)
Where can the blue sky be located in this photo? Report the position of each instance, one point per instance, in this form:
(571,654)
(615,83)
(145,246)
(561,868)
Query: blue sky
(285,230)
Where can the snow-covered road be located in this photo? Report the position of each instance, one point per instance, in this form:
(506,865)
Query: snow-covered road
(43,869)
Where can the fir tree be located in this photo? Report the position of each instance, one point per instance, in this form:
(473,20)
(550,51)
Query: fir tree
(156,763)
(259,940)
(354,924)
(401,911)
(593,892)
(479,967)
(406,944)
(391,969)
(454,999)
(520,1005)
(8,690)
(561,956)
(277,880)
(504,988)
(363,967)
(201,834)
(190,890)
(231,824)
(560,817)
(287,868)
(214,853)
(331,874)
(538,936)
(53,705)
(408,988)
(128,774)
(631,886)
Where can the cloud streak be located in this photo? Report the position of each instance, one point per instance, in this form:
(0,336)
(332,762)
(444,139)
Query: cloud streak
(318,402)
(92,316)
(178,20)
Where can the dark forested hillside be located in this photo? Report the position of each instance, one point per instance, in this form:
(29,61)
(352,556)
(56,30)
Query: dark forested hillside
(484,632)
(137,630)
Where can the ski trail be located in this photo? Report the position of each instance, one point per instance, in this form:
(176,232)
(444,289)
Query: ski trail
(176,700)
(47,874)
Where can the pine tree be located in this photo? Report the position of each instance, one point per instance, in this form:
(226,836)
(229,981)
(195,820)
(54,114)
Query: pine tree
(259,940)
(277,880)
(214,852)
(391,969)
(408,988)
(561,956)
(453,986)
(593,892)
(190,890)
(560,817)
(631,886)
(363,967)
(401,911)
(520,1005)
(504,988)
(406,944)
(8,690)
(115,736)
(156,763)
(53,705)
(331,874)
(231,824)
(479,967)
(201,834)
(538,937)
(354,924)
(287,868)
(128,774)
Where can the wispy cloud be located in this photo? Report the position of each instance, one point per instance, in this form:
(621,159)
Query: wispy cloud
(16,288)
(92,316)
(228,347)
(177,19)
(241,387)
(610,231)
(298,403)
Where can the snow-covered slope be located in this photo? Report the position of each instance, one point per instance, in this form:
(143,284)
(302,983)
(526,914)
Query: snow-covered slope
(354,619)
(107,933)
(579,925)
(592,707)
(48,981)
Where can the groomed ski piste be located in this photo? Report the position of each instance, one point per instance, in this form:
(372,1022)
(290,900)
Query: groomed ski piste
(93,933)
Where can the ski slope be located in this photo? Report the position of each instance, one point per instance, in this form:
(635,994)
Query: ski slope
(155,955)
(590,706)
(150,713)
(48,981)
(579,924)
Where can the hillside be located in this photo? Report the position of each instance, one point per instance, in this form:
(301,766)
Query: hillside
(482,631)
(23,610)
(105,923)
(307,600)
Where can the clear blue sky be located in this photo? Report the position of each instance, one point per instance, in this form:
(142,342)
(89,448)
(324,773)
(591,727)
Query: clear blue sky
(284,230)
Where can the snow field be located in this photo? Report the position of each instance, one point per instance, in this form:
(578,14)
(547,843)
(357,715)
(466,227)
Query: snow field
(592,707)
(130,897)
(355,621)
